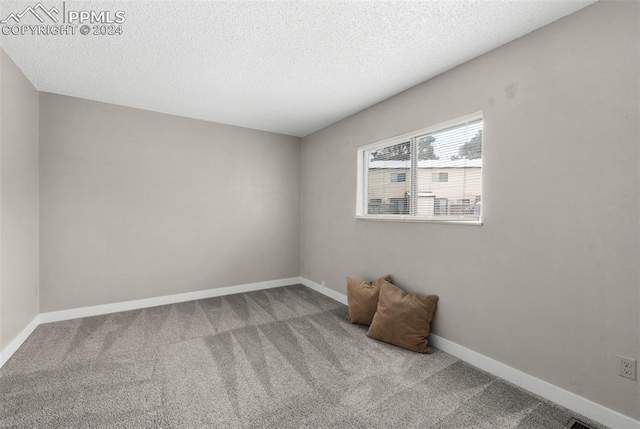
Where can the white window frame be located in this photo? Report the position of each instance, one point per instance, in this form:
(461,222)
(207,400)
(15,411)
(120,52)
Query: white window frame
(362,185)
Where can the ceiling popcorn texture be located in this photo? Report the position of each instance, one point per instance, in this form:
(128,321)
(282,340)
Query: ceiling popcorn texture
(287,67)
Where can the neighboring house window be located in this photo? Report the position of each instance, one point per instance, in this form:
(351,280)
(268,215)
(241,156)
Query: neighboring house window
(431,174)
(375,206)
(399,205)
(440,177)
(398,177)
(441,207)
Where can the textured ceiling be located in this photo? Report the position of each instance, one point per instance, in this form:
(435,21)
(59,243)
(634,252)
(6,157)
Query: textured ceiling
(287,67)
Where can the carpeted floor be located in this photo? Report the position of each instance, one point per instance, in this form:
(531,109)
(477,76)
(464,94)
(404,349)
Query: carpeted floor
(278,358)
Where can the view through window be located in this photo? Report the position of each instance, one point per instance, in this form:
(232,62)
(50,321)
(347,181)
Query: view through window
(432,175)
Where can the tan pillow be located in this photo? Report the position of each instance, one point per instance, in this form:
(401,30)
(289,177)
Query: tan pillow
(362,297)
(403,319)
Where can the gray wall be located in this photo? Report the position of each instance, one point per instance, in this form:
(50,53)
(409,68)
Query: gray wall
(18,201)
(549,284)
(136,204)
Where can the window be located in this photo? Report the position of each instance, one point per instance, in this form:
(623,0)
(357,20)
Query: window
(440,177)
(375,206)
(440,207)
(433,174)
(399,205)
(398,177)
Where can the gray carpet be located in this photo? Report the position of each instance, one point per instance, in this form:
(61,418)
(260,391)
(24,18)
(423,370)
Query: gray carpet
(279,358)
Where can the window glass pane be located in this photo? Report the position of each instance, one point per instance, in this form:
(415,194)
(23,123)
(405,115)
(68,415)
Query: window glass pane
(440,177)
(441,206)
(398,177)
(389,179)
(449,172)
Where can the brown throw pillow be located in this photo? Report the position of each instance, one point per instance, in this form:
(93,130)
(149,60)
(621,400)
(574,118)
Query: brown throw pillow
(362,297)
(403,319)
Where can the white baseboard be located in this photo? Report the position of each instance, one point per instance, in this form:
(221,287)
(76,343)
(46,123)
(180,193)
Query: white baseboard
(96,310)
(324,290)
(573,402)
(15,344)
(542,388)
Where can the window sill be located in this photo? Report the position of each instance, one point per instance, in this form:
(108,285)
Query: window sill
(400,218)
